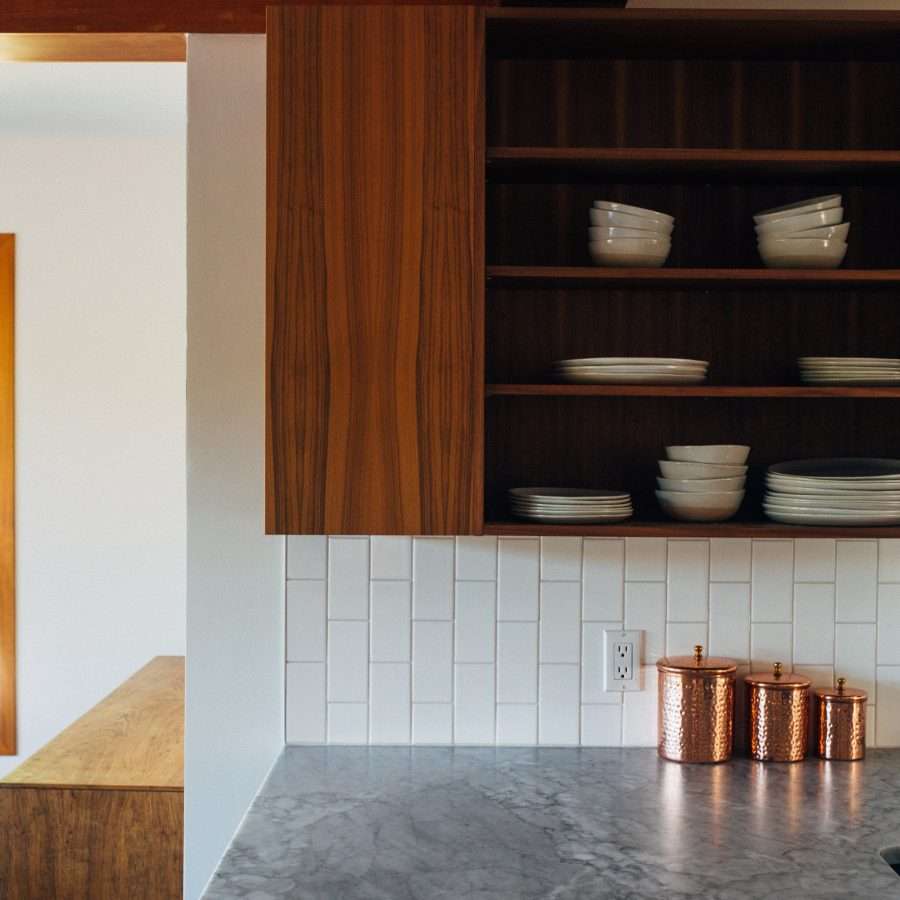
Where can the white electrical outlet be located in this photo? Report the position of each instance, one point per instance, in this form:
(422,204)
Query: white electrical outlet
(621,660)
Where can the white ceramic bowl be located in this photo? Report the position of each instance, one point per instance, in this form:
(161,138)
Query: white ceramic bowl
(838,232)
(713,507)
(681,470)
(782,227)
(721,454)
(608,217)
(813,204)
(701,485)
(601,233)
(643,252)
(802,253)
(641,211)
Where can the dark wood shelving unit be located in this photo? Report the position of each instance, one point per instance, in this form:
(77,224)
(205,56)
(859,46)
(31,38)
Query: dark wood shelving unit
(709,116)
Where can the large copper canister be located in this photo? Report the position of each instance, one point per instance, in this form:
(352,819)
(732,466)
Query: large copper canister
(841,715)
(778,715)
(696,707)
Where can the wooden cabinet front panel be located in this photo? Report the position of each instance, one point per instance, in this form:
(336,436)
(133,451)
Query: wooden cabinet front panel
(375,270)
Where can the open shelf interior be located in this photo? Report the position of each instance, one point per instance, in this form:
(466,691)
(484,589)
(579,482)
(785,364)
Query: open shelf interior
(710,119)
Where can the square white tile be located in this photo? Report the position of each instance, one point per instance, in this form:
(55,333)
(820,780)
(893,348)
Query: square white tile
(558,712)
(601,726)
(517,651)
(888,625)
(389,703)
(474,708)
(433,578)
(560,559)
(814,560)
(517,724)
(645,559)
(773,581)
(518,579)
(729,620)
(305,703)
(306,621)
(856,581)
(888,706)
(687,581)
(348,661)
(432,723)
(639,713)
(889,560)
(390,621)
(814,624)
(820,676)
(475,619)
(391,557)
(476,558)
(603,580)
(307,556)
(729,559)
(771,642)
(592,667)
(854,656)
(682,637)
(560,622)
(348,578)
(348,723)
(432,662)
(645,609)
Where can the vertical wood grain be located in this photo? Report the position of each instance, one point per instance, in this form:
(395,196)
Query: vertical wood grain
(375,270)
(7,499)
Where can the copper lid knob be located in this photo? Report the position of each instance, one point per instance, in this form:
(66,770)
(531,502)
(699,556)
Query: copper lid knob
(776,671)
(840,685)
(698,652)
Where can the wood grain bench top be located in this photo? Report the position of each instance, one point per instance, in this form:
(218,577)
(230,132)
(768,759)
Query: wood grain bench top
(131,740)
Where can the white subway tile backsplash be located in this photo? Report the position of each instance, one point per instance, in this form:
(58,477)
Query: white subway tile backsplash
(645,609)
(889,624)
(771,642)
(475,619)
(305,703)
(474,706)
(432,670)
(887,706)
(348,578)
(889,560)
(814,560)
(856,581)
(389,703)
(348,723)
(391,557)
(682,637)
(772,581)
(348,661)
(558,709)
(307,556)
(476,558)
(593,663)
(729,620)
(390,621)
(729,559)
(814,624)
(854,655)
(561,559)
(517,662)
(517,724)
(687,581)
(601,726)
(639,712)
(432,723)
(560,622)
(603,580)
(518,579)
(306,621)
(645,559)
(820,676)
(433,578)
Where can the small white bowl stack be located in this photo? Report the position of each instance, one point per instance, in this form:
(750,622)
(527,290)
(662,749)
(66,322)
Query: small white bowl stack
(850,370)
(631,370)
(702,483)
(809,234)
(561,505)
(842,491)
(630,236)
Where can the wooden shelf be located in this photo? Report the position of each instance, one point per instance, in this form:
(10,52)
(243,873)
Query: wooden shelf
(689,390)
(677,160)
(637,528)
(853,278)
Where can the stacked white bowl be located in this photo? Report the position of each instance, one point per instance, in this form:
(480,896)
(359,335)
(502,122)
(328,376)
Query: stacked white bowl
(702,483)
(623,235)
(809,234)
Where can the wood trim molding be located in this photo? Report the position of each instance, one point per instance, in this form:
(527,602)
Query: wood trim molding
(7,499)
(92,47)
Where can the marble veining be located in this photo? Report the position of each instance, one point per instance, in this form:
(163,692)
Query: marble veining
(341,823)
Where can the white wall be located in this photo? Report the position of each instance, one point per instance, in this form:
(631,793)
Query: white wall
(92,161)
(235,600)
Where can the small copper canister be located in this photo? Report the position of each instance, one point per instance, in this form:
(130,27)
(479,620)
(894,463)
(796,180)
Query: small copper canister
(778,715)
(841,714)
(696,707)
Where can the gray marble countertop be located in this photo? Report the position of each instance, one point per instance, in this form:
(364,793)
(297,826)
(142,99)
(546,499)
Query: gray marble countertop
(344,823)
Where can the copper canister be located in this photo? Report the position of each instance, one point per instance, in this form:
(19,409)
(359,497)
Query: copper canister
(841,714)
(778,715)
(696,707)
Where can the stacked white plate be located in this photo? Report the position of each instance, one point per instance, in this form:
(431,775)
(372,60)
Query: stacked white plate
(702,483)
(849,370)
(623,235)
(843,491)
(550,504)
(631,370)
(810,234)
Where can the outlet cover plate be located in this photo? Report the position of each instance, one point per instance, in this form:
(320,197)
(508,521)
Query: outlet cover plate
(621,660)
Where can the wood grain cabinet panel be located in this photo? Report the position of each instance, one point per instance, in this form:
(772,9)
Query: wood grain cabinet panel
(375,270)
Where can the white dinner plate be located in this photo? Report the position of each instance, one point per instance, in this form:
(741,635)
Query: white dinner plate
(633,360)
(821,503)
(850,467)
(550,519)
(807,518)
(635,370)
(579,377)
(562,510)
(851,360)
(828,497)
(556,493)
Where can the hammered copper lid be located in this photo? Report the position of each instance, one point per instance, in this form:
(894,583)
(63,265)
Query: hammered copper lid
(777,679)
(841,692)
(702,665)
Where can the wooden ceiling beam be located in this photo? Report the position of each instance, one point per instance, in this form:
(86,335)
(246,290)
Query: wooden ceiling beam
(92,47)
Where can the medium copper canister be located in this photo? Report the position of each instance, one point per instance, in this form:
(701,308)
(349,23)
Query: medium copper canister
(778,715)
(841,715)
(696,707)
